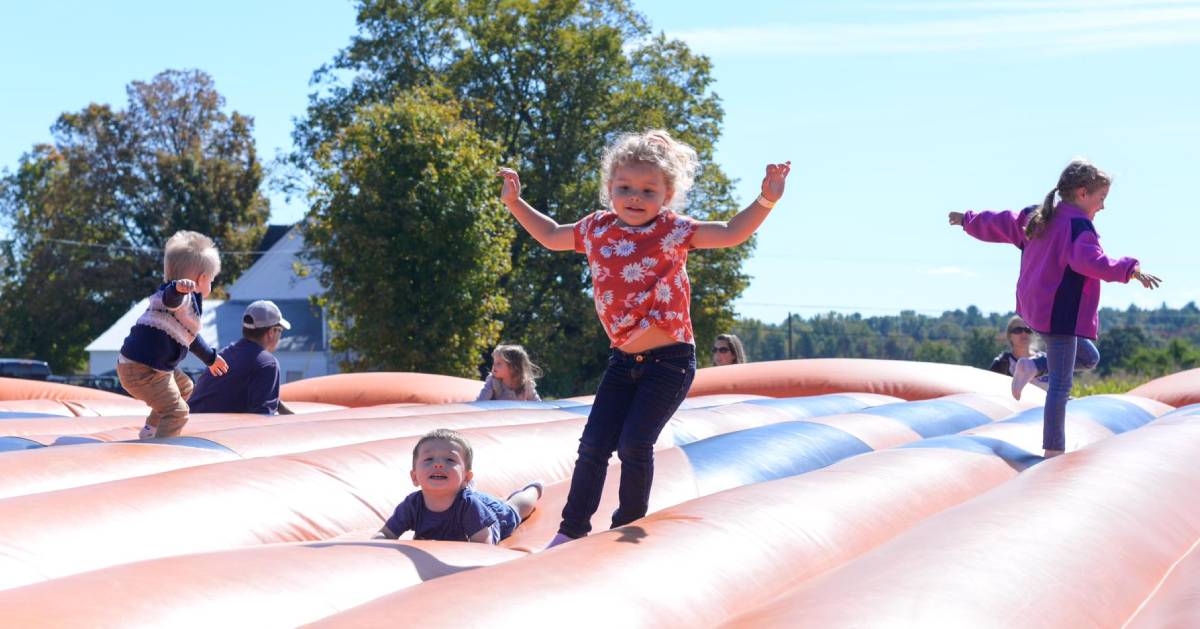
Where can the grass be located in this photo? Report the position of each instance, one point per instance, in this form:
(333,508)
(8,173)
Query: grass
(1090,384)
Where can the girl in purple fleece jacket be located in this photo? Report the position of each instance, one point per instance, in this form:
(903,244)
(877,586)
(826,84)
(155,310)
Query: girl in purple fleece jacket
(1058,291)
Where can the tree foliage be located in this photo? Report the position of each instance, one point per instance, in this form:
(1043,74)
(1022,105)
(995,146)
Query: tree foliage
(1145,343)
(551,82)
(120,182)
(410,238)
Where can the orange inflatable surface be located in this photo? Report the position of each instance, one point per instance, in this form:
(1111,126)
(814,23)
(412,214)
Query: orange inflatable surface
(816,376)
(1177,389)
(373,389)
(822,493)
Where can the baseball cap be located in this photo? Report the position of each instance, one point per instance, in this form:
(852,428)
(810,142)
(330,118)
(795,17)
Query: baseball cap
(263,314)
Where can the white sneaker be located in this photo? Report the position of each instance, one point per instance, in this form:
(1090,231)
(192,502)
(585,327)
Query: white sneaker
(537,484)
(147,432)
(1025,371)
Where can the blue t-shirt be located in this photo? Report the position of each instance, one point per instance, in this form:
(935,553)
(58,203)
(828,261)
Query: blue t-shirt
(470,512)
(250,386)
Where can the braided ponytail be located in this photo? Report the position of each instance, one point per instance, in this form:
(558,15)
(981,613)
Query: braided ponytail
(1041,216)
(1080,173)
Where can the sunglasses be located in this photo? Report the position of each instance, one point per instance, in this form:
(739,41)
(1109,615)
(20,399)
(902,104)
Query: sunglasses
(1019,330)
(720,350)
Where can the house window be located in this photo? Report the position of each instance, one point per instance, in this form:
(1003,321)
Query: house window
(292,376)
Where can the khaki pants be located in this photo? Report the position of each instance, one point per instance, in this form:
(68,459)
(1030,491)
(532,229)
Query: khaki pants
(164,392)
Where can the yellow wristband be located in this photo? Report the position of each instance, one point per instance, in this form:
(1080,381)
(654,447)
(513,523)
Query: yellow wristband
(761,200)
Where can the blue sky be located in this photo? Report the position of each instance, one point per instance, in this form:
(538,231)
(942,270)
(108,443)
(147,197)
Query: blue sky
(893,113)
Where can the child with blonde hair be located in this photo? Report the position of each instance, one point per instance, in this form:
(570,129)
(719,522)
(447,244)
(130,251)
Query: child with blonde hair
(1058,289)
(637,248)
(512,376)
(447,507)
(170,327)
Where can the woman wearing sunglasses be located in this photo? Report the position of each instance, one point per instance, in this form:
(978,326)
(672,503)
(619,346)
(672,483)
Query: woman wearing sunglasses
(1022,343)
(727,350)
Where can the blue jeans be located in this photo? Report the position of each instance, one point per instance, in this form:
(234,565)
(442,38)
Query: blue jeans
(1064,354)
(638,394)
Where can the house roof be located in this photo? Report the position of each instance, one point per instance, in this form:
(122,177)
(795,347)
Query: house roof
(221,324)
(273,276)
(272,236)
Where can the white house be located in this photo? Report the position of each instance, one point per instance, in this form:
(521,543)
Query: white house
(304,350)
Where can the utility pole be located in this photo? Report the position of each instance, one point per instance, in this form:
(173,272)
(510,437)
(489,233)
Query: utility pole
(789,336)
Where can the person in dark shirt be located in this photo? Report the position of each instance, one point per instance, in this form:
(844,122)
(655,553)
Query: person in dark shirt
(1022,343)
(252,384)
(447,507)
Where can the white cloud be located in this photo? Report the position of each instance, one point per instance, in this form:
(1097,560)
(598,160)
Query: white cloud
(951,271)
(1060,31)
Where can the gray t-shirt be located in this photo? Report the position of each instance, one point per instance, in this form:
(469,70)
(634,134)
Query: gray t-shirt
(494,389)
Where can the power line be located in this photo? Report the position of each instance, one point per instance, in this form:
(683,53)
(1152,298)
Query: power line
(146,250)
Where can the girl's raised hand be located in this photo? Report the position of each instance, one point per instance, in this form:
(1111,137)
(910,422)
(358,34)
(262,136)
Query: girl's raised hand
(956,218)
(184,287)
(510,192)
(773,183)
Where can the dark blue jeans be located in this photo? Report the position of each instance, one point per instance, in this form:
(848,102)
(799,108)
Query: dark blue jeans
(1064,354)
(637,396)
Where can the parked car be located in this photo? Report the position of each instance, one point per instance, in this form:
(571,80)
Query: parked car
(40,370)
(24,368)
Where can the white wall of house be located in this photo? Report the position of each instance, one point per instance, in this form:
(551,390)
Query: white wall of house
(102,362)
(298,365)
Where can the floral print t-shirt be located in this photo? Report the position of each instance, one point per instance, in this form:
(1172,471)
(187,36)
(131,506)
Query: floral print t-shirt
(639,274)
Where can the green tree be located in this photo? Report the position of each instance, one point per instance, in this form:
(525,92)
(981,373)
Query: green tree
(1178,355)
(1136,344)
(84,210)
(980,347)
(410,238)
(195,167)
(1117,346)
(551,82)
(938,352)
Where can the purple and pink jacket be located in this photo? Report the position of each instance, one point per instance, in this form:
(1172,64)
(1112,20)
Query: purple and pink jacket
(1058,291)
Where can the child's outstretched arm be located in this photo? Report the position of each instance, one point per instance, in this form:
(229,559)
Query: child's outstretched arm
(216,363)
(1006,227)
(544,229)
(1088,258)
(735,231)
